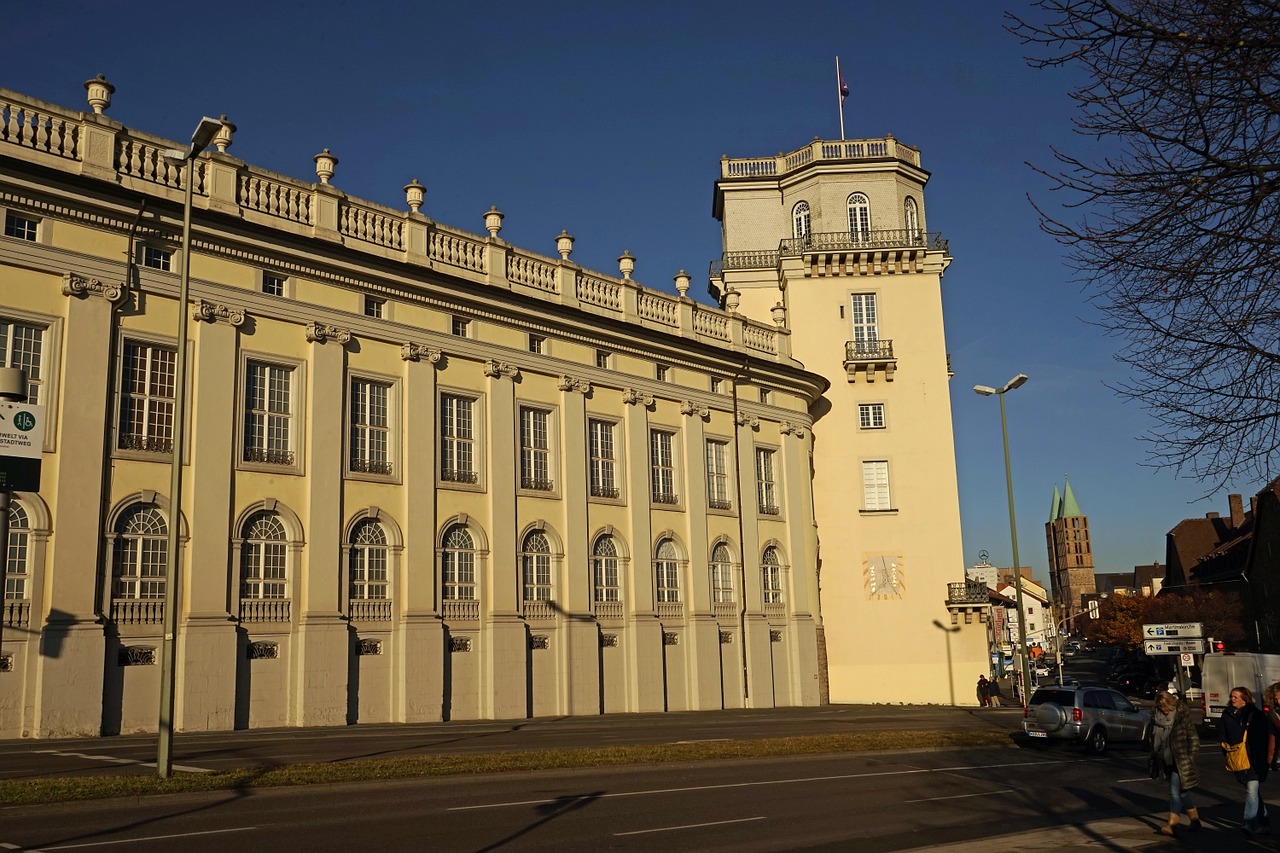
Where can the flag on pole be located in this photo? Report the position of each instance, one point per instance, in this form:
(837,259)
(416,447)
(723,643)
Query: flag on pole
(844,87)
(842,90)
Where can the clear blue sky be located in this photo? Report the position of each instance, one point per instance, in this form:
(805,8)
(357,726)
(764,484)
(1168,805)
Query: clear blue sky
(609,119)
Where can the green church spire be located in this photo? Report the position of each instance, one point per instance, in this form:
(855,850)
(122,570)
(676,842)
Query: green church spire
(1070,509)
(1055,507)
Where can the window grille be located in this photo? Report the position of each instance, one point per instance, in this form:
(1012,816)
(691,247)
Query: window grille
(140,554)
(458,565)
(604,569)
(662,465)
(370,427)
(148,384)
(535,449)
(262,557)
(457,439)
(718,475)
(721,575)
(535,563)
(368,562)
(667,570)
(268,423)
(766,487)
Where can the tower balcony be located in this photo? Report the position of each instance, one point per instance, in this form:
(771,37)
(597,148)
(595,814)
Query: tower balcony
(869,358)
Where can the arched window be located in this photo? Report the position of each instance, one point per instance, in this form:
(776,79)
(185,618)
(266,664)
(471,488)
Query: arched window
(859,217)
(535,564)
(368,561)
(721,575)
(458,565)
(18,562)
(667,571)
(800,220)
(911,218)
(141,553)
(262,557)
(771,575)
(604,569)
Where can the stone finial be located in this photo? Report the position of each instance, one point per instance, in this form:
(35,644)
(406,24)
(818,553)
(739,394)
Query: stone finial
(626,264)
(732,299)
(779,314)
(564,244)
(493,220)
(325,163)
(100,92)
(414,193)
(222,139)
(682,283)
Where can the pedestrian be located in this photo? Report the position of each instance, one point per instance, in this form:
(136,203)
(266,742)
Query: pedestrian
(1242,723)
(984,692)
(1174,744)
(1271,707)
(993,688)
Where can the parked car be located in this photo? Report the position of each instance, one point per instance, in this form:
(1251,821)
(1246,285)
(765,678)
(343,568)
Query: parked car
(1093,716)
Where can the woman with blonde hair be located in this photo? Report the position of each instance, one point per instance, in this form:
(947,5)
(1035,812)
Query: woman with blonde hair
(1242,723)
(1173,748)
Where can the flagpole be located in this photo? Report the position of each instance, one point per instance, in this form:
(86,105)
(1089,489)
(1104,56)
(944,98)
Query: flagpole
(840,97)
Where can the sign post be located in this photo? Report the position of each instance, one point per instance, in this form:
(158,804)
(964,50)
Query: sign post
(21,442)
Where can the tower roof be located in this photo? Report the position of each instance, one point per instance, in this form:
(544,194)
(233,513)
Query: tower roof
(1055,506)
(1070,509)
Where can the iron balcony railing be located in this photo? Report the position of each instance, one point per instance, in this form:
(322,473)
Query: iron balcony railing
(268,456)
(881,350)
(887,238)
(969,592)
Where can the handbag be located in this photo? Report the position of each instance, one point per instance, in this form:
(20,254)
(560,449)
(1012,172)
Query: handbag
(1155,765)
(1237,758)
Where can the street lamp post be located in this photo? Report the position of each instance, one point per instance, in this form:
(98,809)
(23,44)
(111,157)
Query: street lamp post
(985,391)
(203,136)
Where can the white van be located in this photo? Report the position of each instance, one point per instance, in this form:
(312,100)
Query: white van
(1221,672)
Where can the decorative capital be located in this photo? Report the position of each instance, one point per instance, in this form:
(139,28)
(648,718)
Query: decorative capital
(213,312)
(788,428)
(688,407)
(631,397)
(417,352)
(318,333)
(79,286)
(569,383)
(743,419)
(493,368)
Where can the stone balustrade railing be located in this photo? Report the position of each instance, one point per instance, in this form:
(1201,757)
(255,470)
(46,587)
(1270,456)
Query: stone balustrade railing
(265,609)
(818,151)
(91,144)
(370,610)
(670,610)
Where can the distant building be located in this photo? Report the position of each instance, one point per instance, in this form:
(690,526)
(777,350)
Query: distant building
(1070,554)
(984,572)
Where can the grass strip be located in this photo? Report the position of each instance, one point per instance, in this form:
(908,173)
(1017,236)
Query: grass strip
(66,788)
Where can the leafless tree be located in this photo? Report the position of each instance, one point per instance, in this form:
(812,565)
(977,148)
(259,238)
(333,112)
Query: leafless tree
(1173,228)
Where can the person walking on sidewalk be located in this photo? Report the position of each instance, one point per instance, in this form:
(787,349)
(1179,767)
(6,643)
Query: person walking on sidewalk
(984,692)
(1174,744)
(1271,707)
(1242,722)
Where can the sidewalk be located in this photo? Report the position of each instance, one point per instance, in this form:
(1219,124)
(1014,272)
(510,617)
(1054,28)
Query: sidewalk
(1221,833)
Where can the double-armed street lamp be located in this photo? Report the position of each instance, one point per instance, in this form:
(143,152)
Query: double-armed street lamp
(985,391)
(200,140)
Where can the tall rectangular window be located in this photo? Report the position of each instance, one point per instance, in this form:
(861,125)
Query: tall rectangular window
(157,259)
(20,227)
(22,345)
(718,475)
(268,417)
(457,439)
(604,458)
(535,449)
(147,397)
(662,466)
(766,485)
(875,485)
(871,415)
(272,284)
(866,324)
(370,426)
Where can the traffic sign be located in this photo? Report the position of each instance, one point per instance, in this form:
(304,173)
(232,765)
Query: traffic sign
(1194,646)
(21,430)
(1180,630)
(1187,660)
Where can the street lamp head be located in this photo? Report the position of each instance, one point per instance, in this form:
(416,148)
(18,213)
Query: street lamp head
(984,390)
(176,156)
(205,132)
(1016,382)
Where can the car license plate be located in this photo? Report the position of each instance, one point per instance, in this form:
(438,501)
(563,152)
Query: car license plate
(1038,734)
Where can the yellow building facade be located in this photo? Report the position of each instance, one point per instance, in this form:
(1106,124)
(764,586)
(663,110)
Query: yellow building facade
(428,475)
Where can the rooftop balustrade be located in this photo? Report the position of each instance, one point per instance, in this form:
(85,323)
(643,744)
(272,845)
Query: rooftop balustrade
(91,145)
(819,151)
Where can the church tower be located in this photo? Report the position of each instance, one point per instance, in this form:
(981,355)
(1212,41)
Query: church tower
(830,241)
(1070,554)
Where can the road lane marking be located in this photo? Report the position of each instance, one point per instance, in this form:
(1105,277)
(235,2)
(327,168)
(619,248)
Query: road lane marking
(842,776)
(689,826)
(111,759)
(145,838)
(960,796)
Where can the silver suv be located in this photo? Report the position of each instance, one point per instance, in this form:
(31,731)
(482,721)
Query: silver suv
(1093,716)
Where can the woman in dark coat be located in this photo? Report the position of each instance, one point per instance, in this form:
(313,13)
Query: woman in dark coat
(1243,718)
(1174,744)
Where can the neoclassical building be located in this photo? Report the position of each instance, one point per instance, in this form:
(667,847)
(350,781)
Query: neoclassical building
(427,475)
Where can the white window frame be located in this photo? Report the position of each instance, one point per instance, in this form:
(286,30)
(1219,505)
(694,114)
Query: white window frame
(150,549)
(666,572)
(369,562)
(767,481)
(606,578)
(771,575)
(153,404)
(375,307)
(719,488)
(723,590)
(18,556)
(537,426)
(537,344)
(24,227)
(458,578)
(859,207)
(273,282)
(864,323)
(801,220)
(459,327)
(604,461)
(604,359)
(663,454)
(264,560)
(876,495)
(156,258)
(42,372)
(911,217)
(372,433)
(296,373)
(454,447)
(871,416)
(535,567)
